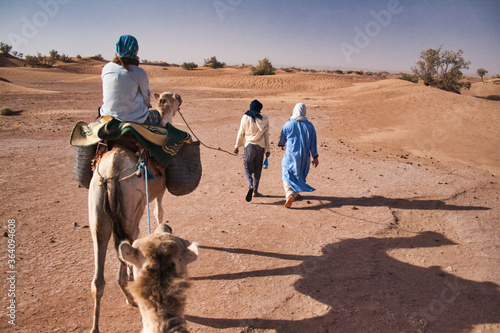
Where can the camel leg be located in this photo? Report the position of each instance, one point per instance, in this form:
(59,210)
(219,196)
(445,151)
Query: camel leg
(159,209)
(133,208)
(100,228)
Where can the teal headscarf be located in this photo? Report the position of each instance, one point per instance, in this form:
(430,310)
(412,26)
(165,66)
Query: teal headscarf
(127,47)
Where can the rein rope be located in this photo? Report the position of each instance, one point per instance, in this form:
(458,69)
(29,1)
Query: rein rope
(106,179)
(213,148)
(143,165)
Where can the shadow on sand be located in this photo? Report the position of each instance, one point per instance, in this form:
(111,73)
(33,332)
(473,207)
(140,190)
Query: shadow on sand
(366,290)
(322,202)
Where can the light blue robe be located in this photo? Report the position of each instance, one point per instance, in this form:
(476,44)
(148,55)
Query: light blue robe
(126,94)
(299,139)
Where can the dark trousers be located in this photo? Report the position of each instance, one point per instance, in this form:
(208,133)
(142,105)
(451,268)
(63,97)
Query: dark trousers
(253,160)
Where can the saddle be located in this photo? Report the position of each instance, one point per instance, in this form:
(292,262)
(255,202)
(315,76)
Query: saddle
(178,158)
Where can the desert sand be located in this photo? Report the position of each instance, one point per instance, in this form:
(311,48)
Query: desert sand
(401,234)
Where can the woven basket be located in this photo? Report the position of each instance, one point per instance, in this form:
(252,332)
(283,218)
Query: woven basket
(82,169)
(184,171)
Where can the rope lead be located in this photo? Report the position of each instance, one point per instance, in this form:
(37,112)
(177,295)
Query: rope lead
(147,174)
(185,122)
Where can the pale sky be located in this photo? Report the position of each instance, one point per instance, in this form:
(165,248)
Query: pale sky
(364,34)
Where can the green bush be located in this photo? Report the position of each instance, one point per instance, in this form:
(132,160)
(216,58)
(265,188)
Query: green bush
(264,68)
(65,58)
(408,77)
(6,111)
(481,72)
(214,63)
(189,65)
(442,69)
(5,48)
(39,60)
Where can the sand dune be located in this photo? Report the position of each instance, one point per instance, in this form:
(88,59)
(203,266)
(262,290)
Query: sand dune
(401,234)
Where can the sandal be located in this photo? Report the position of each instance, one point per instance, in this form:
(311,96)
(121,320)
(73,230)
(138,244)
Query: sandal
(248,198)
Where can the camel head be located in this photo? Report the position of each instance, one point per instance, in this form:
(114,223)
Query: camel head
(168,104)
(159,263)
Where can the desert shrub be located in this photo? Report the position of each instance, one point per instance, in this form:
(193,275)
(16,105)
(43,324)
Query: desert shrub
(78,56)
(408,77)
(65,58)
(17,54)
(39,60)
(54,55)
(214,63)
(359,72)
(264,68)
(481,72)
(288,70)
(5,48)
(382,74)
(442,69)
(350,72)
(98,57)
(189,65)
(338,71)
(6,111)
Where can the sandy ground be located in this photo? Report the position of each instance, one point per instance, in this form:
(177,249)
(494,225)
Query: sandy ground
(401,234)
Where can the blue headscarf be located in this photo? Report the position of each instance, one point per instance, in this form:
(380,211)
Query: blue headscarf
(254,111)
(127,47)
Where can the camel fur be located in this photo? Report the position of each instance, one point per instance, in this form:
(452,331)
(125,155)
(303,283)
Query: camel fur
(160,283)
(168,104)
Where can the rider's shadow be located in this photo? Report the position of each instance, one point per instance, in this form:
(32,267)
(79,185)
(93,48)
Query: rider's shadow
(367,290)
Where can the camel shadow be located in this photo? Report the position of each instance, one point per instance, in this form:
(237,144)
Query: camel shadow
(325,202)
(367,290)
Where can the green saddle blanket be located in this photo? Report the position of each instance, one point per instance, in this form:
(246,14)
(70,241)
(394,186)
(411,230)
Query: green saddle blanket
(162,143)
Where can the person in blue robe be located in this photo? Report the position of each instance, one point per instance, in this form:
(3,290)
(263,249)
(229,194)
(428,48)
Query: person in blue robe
(298,138)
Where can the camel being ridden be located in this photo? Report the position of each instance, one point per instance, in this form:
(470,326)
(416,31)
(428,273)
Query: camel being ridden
(117,200)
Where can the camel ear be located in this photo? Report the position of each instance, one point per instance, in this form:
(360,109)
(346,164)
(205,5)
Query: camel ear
(163,229)
(178,98)
(129,254)
(157,97)
(191,253)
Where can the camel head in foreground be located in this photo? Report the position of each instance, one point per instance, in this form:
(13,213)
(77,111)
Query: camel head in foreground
(159,263)
(168,104)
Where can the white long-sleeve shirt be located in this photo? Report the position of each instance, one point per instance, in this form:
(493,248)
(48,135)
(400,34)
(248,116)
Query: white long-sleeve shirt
(254,132)
(126,94)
